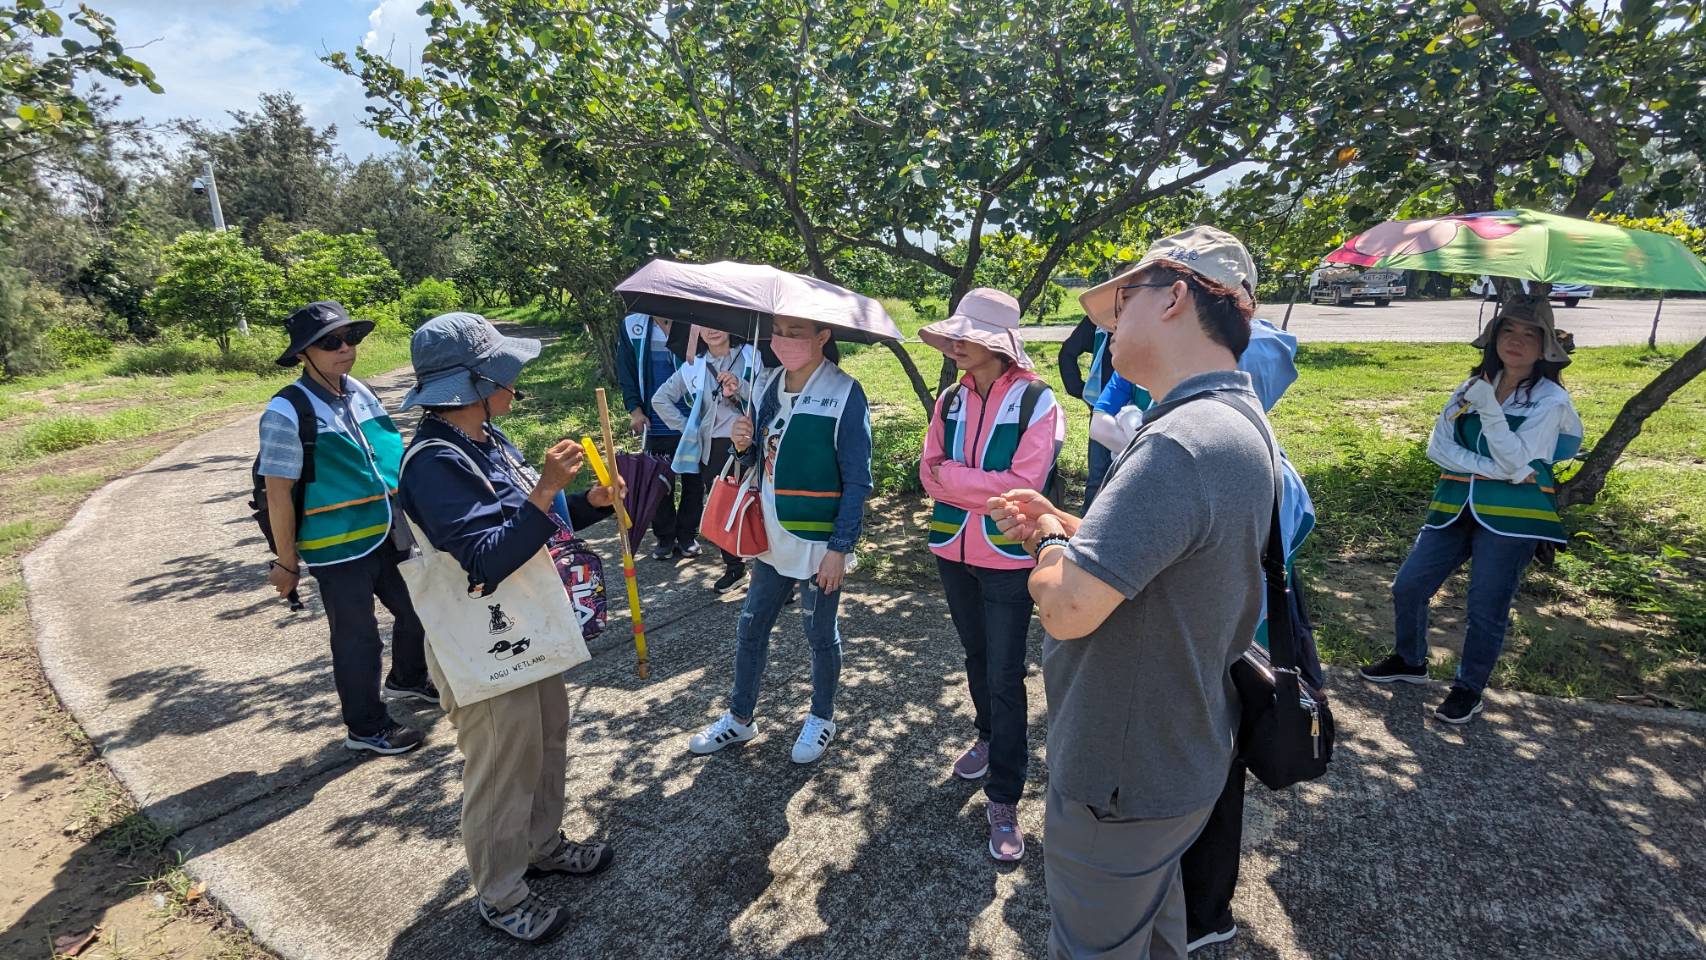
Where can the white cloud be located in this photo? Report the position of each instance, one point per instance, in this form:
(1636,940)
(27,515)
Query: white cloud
(395,25)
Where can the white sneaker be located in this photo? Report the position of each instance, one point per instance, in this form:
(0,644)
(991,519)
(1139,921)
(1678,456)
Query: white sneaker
(815,735)
(718,735)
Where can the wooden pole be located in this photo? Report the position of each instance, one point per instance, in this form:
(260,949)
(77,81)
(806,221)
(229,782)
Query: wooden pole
(642,663)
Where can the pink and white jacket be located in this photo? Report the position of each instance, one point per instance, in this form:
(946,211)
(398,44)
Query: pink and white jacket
(978,449)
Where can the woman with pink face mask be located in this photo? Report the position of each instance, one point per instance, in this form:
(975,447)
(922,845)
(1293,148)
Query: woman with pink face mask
(812,446)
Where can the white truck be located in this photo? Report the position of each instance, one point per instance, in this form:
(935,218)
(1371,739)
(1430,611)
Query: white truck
(1337,284)
(1569,294)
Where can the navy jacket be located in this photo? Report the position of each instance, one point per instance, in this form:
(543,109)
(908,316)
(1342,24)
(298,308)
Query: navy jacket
(490,531)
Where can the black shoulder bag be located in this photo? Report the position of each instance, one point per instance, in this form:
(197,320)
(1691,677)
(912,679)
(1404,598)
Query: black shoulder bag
(1286,734)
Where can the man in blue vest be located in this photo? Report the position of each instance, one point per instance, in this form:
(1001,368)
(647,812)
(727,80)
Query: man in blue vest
(348,535)
(1090,339)
(645,359)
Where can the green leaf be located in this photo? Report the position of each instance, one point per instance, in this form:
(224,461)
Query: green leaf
(1526,25)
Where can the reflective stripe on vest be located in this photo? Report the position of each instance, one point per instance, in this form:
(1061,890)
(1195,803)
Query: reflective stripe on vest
(346,511)
(1514,509)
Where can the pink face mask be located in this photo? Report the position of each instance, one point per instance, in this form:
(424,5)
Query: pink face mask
(795,354)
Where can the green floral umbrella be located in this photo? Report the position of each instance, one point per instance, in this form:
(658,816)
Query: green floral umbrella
(1528,245)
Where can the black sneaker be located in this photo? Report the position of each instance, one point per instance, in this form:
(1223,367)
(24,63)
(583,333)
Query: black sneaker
(1394,670)
(731,576)
(1460,706)
(574,859)
(426,692)
(392,740)
(531,921)
(691,550)
(1200,939)
(663,551)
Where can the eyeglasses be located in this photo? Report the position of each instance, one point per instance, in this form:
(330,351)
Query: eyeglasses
(517,394)
(339,338)
(1120,296)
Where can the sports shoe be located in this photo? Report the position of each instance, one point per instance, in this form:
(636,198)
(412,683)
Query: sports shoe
(731,575)
(530,921)
(426,692)
(1211,938)
(974,763)
(691,550)
(577,859)
(394,739)
(1006,843)
(718,735)
(815,735)
(1460,706)
(663,551)
(1393,669)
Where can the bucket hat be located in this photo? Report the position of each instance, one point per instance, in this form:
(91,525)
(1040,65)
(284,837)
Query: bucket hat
(314,321)
(460,358)
(1536,312)
(984,316)
(1216,256)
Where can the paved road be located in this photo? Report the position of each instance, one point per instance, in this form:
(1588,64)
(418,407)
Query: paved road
(1596,323)
(1548,829)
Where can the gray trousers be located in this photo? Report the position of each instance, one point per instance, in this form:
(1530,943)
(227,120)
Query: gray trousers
(1113,883)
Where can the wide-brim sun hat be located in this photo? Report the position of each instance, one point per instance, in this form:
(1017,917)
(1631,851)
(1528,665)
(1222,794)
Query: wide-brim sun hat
(314,321)
(460,358)
(1536,312)
(1217,258)
(984,316)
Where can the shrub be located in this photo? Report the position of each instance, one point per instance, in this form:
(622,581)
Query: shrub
(211,279)
(428,299)
(75,346)
(346,267)
(24,322)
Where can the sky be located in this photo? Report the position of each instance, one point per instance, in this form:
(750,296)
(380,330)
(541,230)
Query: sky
(214,56)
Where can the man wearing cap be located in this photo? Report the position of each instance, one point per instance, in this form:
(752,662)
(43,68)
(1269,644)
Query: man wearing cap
(1148,600)
(348,535)
(997,429)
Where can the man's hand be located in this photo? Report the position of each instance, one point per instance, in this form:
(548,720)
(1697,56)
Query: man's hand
(1046,526)
(637,420)
(1017,511)
(729,382)
(562,462)
(282,580)
(740,434)
(832,571)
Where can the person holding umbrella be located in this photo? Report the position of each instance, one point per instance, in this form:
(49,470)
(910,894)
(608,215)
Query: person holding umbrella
(997,429)
(812,445)
(1496,442)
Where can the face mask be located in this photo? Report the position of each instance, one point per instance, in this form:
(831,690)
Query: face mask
(795,354)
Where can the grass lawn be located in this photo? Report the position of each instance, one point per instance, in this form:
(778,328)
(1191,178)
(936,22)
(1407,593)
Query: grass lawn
(1622,614)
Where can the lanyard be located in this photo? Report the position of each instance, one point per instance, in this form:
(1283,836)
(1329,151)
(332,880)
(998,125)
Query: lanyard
(519,474)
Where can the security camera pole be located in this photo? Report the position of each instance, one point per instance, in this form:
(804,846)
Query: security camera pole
(212,187)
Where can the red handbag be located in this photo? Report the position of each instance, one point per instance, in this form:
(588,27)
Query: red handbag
(734,517)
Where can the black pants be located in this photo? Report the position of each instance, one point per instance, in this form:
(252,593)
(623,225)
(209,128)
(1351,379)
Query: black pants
(992,613)
(347,591)
(1209,868)
(672,525)
(721,447)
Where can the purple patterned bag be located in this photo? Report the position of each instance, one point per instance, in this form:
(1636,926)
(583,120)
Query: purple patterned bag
(582,573)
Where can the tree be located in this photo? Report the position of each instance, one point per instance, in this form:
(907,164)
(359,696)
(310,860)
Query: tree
(23,325)
(40,106)
(389,196)
(211,281)
(346,267)
(270,162)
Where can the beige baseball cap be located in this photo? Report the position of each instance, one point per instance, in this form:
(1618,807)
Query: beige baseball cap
(1213,254)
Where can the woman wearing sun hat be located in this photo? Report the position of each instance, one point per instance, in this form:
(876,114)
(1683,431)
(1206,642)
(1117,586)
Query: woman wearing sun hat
(1496,443)
(473,496)
(997,429)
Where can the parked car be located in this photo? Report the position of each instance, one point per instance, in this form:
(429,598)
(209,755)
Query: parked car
(1338,284)
(1570,293)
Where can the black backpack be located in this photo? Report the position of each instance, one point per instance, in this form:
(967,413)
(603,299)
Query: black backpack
(308,430)
(1054,486)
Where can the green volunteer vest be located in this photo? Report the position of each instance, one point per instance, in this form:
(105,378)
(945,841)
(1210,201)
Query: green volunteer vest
(807,484)
(346,511)
(948,522)
(1513,509)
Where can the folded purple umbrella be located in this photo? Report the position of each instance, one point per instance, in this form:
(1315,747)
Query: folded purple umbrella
(648,477)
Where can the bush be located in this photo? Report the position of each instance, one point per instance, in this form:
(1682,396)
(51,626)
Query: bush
(257,353)
(428,299)
(212,278)
(75,346)
(346,267)
(24,322)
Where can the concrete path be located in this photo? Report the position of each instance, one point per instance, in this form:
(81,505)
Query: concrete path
(1595,323)
(1547,829)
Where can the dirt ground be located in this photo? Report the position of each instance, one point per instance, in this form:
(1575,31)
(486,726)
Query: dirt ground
(75,855)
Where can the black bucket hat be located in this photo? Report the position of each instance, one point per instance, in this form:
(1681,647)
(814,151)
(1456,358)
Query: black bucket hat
(314,321)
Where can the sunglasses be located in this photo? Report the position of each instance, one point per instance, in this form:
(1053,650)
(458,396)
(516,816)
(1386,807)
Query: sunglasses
(517,394)
(339,338)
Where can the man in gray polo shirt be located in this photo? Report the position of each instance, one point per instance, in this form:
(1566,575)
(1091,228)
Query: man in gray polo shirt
(1147,602)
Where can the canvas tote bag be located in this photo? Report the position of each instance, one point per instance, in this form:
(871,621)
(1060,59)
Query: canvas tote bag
(523,632)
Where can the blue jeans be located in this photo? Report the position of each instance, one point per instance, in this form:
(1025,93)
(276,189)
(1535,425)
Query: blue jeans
(1101,458)
(1493,577)
(992,613)
(765,595)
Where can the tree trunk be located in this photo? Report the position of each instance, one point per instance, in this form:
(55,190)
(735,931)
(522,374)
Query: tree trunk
(919,387)
(1585,486)
(1653,334)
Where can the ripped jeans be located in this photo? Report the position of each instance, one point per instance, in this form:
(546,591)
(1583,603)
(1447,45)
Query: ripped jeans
(764,598)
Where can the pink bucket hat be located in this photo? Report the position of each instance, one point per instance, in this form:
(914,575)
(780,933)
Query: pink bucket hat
(984,316)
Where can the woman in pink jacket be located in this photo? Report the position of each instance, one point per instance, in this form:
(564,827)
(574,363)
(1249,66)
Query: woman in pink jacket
(998,428)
